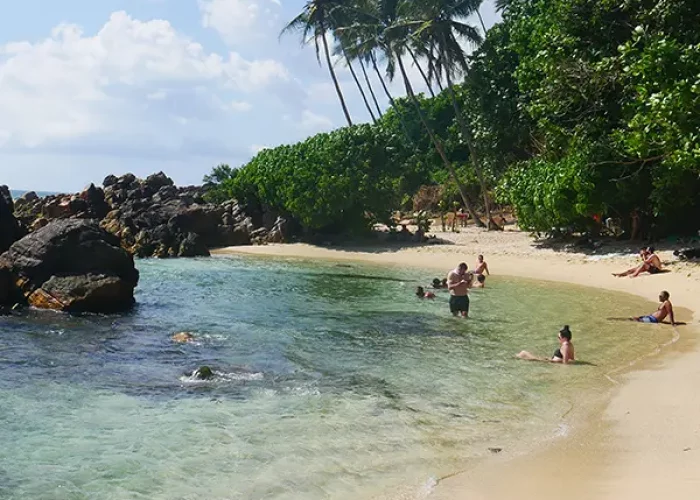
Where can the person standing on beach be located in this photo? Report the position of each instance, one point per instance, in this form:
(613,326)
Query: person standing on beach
(664,310)
(458,283)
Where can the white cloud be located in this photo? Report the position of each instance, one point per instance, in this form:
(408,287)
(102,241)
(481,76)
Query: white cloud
(312,122)
(236,20)
(256,148)
(241,106)
(70,85)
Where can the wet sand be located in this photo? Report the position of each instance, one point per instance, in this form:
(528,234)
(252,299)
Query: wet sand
(643,443)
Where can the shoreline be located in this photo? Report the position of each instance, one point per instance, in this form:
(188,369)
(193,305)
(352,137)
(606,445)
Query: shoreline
(627,447)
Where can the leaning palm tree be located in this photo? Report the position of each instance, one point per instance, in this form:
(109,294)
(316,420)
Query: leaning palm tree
(442,25)
(313,22)
(395,37)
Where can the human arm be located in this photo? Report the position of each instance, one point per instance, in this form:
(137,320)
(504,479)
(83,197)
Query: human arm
(670,314)
(452,284)
(486,269)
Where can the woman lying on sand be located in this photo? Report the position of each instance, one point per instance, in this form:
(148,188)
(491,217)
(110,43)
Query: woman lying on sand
(564,354)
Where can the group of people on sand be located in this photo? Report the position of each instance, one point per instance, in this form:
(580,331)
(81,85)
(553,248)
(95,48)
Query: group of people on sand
(458,282)
(650,263)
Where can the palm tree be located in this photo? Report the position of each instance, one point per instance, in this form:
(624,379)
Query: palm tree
(444,28)
(313,22)
(348,63)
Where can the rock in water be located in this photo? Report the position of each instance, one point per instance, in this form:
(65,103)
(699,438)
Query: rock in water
(203,373)
(10,229)
(72,265)
(182,337)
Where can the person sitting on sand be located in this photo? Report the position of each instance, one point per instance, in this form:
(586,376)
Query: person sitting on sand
(481,266)
(564,353)
(664,310)
(480,281)
(458,283)
(422,294)
(651,264)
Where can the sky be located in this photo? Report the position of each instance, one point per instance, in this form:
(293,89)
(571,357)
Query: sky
(90,88)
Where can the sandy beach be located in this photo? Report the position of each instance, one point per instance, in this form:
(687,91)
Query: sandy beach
(644,443)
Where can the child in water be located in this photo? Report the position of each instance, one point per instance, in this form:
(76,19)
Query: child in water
(564,353)
(422,294)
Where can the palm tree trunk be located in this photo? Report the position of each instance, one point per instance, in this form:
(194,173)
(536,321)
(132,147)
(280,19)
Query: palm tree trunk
(466,134)
(369,86)
(335,79)
(438,146)
(420,70)
(434,71)
(391,99)
(481,20)
(359,87)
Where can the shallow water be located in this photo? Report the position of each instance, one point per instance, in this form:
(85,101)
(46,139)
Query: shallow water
(333,381)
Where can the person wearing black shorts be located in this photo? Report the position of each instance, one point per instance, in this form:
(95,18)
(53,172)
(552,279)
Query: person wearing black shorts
(458,283)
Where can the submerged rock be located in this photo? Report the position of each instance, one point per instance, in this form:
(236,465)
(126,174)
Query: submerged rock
(182,337)
(73,266)
(203,373)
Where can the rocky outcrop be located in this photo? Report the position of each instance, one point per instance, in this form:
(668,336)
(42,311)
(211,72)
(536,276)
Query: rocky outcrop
(10,229)
(71,265)
(154,218)
(88,204)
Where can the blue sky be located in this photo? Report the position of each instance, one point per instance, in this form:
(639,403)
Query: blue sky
(89,88)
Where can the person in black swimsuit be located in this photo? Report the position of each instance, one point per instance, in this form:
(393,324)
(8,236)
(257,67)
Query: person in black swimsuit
(564,353)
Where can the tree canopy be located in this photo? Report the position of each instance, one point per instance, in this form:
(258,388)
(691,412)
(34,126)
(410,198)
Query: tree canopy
(569,110)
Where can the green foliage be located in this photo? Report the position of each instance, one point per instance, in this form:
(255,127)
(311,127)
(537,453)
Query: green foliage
(553,195)
(571,107)
(345,180)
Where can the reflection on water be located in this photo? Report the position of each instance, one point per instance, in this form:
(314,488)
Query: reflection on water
(330,382)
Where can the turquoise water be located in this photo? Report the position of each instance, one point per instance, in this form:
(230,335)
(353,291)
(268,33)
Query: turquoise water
(332,382)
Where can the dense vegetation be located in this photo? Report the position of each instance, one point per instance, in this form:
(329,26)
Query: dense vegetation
(567,110)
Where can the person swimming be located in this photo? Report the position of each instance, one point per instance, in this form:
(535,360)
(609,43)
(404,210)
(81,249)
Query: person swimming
(480,281)
(422,294)
(564,354)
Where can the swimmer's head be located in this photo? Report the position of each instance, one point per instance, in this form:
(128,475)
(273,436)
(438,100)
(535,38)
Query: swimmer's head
(664,296)
(481,278)
(436,283)
(420,292)
(481,258)
(463,267)
(565,333)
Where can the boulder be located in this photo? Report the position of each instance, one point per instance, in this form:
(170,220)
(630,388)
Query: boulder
(72,265)
(5,287)
(10,229)
(157,181)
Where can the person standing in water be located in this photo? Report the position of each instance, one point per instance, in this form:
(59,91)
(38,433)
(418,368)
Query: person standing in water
(458,283)
(564,354)
(664,310)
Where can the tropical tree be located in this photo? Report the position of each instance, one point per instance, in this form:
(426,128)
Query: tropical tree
(441,25)
(385,31)
(313,23)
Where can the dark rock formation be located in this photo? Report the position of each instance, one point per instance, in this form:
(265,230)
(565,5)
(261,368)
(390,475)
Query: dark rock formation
(154,218)
(71,265)
(10,229)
